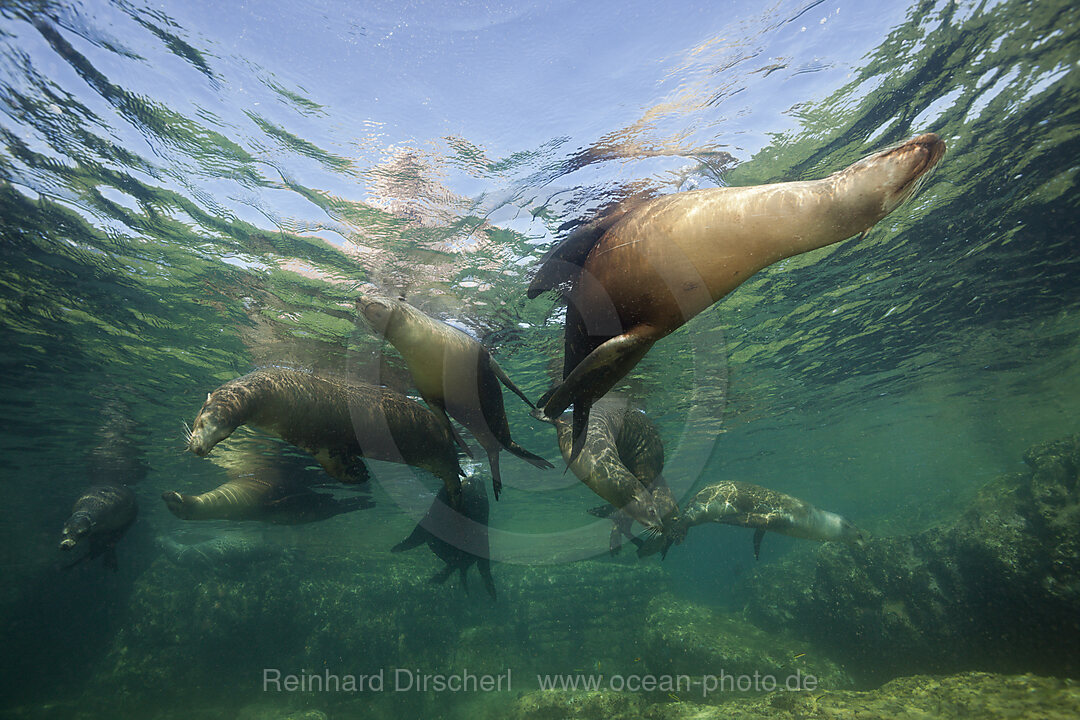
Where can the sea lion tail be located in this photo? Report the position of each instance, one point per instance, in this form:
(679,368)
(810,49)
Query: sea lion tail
(529,457)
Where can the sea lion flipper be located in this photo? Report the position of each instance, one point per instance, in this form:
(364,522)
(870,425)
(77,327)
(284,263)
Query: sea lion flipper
(758,535)
(528,456)
(595,375)
(563,262)
(484,566)
(496,475)
(442,576)
(440,412)
(602,511)
(505,379)
(417,537)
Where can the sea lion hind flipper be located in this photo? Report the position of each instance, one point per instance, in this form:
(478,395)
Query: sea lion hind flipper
(758,535)
(505,379)
(529,457)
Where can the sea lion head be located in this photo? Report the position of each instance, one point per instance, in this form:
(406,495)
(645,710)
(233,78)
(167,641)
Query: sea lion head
(886,179)
(182,506)
(76,528)
(643,508)
(218,417)
(851,535)
(382,314)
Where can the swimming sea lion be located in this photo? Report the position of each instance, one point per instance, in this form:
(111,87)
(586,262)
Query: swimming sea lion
(340,423)
(641,451)
(100,517)
(258,498)
(467,529)
(636,280)
(224,554)
(753,506)
(264,484)
(615,430)
(453,372)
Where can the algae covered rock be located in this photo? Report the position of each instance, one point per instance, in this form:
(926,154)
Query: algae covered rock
(681,638)
(960,697)
(999,589)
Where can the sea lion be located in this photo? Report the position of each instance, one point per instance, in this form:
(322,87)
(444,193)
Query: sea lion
(615,430)
(223,554)
(340,423)
(639,278)
(753,506)
(265,484)
(274,500)
(100,517)
(454,373)
(467,529)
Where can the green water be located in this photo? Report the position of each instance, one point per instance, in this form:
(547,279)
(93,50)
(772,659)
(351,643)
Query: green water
(182,200)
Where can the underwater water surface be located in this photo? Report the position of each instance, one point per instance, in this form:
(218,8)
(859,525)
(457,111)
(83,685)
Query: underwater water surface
(193,190)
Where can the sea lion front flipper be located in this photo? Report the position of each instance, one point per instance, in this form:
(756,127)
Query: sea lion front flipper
(440,577)
(758,535)
(417,537)
(440,412)
(602,511)
(464,579)
(595,375)
(615,540)
(484,566)
(505,379)
(563,262)
(496,476)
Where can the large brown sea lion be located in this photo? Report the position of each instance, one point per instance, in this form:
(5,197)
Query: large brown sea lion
(453,372)
(752,506)
(617,431)
(637,279)
(340,423)
(100,517)
(457,537)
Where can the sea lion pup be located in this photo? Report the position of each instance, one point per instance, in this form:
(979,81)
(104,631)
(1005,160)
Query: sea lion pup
(454,373)
(634,281)
(340,423)
(753,506)
(467,531)
(100,517)
(600,465)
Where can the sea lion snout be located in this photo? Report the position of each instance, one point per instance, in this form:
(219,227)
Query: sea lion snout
(375,311)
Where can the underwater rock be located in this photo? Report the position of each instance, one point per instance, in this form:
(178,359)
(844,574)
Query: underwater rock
(684,638)
(970,695)
(998,590)
(361,609)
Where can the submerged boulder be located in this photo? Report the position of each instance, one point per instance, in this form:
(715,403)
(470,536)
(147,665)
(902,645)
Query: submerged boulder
(997,590)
